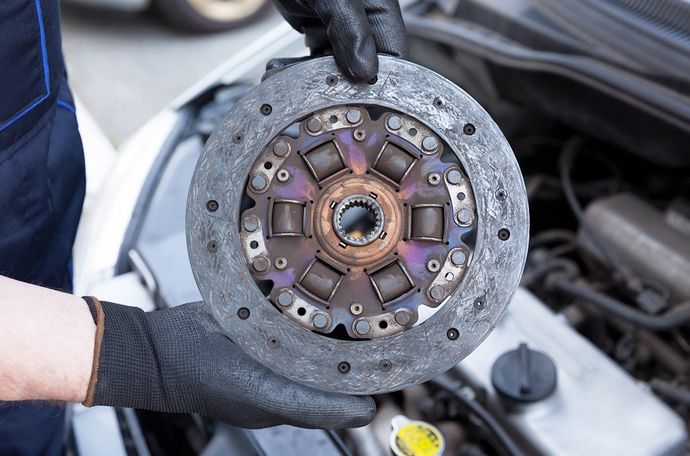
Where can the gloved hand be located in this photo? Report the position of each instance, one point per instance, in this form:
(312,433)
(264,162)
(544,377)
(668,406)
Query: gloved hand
(177,360)
(353,30)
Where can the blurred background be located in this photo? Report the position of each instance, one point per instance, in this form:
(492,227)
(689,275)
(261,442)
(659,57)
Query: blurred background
(128,59)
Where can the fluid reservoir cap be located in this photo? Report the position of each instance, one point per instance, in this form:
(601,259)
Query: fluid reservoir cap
(524,375)
(415,438)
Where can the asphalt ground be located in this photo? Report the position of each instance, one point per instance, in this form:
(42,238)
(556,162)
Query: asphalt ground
(125,67)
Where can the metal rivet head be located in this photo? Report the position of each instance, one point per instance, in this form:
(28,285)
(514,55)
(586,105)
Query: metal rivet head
(243,313)
(437,293)
(259,183)
(314,125)
(469,129)
(504,234)
(439,102)
(281,263)
(356,308)
(403,317)
(452,334)
(344,367)
(212,205)
(212,246)
(353,116)
(479,303)
(394,123)
(281,148)
(464,216)
(261,264)
(359,134)
(273,342)
(283,175)
(285,298)
(251,223)
(331,80)
(385,365)
(362,327)
(320,320)
(266,109)
(454,177)
(433,265)
(458,257)
(429,144)
(434,178)
(501,194)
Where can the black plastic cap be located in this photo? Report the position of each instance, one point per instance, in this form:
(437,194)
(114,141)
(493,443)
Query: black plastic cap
(524,375)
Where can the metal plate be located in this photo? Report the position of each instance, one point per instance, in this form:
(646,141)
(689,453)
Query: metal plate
(358,366)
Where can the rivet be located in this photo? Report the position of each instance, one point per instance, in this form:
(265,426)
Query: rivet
(433,265)
(251,223)
(454,177)
(437,293)
(479,303)
(501,194)
(243,313)
(320,320)
(403,317)
(281,263)
(258,182)
(385,365)
(212,205)
(285,298)
(356,308)
(394,122)
(429,144)
(452,334)
(434,178)
(281,148)
(458,257)
(314,125)
(353,116)
(260,264)
(464,216)
(283,175)
(359,134)
(362,327)
(344,367)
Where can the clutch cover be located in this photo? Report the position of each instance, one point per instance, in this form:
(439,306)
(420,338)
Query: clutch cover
(358,238)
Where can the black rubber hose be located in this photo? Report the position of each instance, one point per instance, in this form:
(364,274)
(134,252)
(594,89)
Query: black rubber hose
(670,391)
(482,413)
(678,316)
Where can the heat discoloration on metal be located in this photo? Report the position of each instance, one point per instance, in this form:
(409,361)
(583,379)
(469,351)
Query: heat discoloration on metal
(492,272)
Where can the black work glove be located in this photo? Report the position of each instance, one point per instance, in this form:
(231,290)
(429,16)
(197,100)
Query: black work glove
(353,30)
(177,360)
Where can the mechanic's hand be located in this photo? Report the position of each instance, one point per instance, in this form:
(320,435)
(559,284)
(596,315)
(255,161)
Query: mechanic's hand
(177,360)
(353,30)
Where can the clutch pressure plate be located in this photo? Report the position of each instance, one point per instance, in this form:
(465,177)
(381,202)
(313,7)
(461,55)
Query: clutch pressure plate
(358,238)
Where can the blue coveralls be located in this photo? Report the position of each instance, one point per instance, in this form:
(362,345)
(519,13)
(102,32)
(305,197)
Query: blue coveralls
(42,186)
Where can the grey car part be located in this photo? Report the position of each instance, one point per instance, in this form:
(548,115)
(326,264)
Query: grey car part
(360,314)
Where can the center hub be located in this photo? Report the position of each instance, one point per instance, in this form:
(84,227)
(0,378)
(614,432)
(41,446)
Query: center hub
(358,220)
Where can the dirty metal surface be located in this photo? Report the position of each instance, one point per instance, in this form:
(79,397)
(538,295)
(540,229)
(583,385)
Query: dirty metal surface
(321,302)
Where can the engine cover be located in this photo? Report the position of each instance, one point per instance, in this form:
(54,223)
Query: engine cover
(358,238)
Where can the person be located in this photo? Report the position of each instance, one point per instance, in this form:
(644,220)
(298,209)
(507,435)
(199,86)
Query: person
(57,347)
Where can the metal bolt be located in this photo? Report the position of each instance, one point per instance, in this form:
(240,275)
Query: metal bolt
(433,266)
(320,320)
(261,264)
(259,182)
(362,327)
(458,257)
(464,216)
(251,223)
(285,298)
(281,263)
(353,116)
(314,125)
(359,134)
(437,293)
(434,178)
(429,144)
(403,317)
(356,308)
(394,122)
(283,175)
(281,148)
(454,176)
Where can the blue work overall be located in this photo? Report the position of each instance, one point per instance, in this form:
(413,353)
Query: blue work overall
(42,186)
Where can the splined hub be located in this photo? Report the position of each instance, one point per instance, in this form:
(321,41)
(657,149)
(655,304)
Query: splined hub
(351,237)
(358,220)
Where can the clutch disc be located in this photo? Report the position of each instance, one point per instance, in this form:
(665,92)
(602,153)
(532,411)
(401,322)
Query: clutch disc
(358,238)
